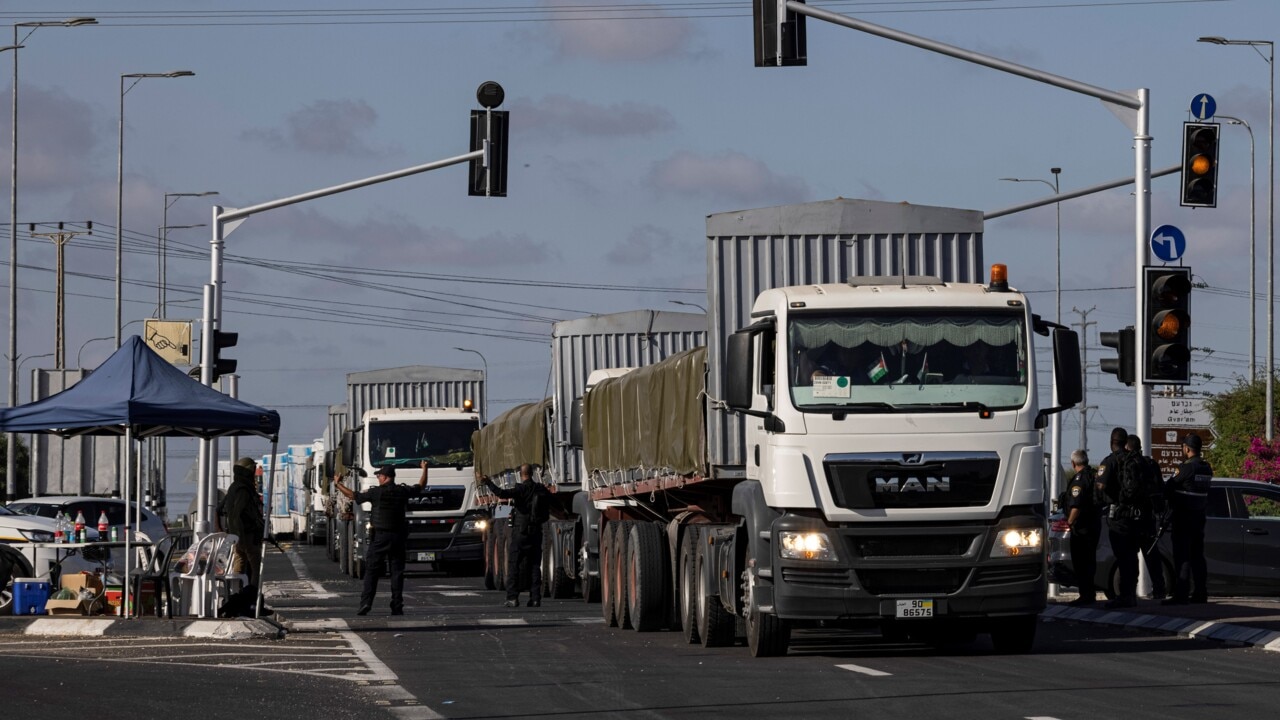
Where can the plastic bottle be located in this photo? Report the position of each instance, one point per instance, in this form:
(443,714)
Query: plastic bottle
(80,532)
(103,524)
(60,528)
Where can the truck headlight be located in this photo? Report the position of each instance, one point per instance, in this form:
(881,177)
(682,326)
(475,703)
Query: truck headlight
(475,525)
(806,546)
(1015,542)
(37,535)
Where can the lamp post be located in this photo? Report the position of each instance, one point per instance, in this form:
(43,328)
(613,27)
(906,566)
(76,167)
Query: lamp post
(1270,59)
(688,304)
(137,78)
(11,459)
(1055,420)
(484,403)
(1253,253)
(164,239)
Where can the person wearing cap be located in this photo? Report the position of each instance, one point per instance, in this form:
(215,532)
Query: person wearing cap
(242,508)
(388,531)
(1188,493)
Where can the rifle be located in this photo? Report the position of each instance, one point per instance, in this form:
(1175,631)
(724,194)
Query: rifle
(1165,518)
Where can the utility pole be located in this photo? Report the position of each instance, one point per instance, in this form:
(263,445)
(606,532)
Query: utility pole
(60,240)
(1084,373)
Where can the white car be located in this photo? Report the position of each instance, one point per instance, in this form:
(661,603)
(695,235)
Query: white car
(50,505)
(16,531)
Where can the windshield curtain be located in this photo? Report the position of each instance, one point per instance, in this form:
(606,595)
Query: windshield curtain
(408,443)
(946,360)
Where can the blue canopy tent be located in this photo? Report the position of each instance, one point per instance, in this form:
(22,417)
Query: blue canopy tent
(137,394)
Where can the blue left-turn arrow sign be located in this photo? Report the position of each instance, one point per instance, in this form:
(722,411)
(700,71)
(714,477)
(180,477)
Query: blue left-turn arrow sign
(1168,243)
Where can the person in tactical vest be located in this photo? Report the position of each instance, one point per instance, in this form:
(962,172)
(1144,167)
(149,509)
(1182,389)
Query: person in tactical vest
(524,549)
(1130,520)
(1085,524)
(1154,487)
(1188,493)
(389,531)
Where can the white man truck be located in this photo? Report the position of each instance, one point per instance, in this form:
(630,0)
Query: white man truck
(400,417)
(858,444)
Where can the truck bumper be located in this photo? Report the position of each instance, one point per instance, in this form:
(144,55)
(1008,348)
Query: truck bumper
(435,547)
(318,524)
(880,564)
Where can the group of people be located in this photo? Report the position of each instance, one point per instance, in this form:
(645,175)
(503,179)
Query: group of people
(1139,506)
(389,530)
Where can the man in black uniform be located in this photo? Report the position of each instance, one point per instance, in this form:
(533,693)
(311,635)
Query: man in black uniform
(524,549)
(388,534)
(1188,493)
(1082,518)
(1122,475)
(1154,487)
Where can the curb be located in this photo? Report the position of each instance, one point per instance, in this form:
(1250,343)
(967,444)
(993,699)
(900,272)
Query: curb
(1203,629)
(239,629)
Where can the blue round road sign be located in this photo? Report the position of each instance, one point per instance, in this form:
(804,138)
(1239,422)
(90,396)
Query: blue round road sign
(1203,107)
(1168,243)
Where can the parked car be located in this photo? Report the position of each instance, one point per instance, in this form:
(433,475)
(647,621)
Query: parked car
(48,507)
(17,532)
(1241,543)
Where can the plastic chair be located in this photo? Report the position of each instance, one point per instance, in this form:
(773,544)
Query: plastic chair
(224,576)
(191,578)
(155,569)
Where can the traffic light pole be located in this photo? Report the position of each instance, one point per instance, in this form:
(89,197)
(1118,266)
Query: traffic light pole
(1138,121)
(225,221)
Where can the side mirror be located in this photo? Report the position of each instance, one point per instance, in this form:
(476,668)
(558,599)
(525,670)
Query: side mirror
(738,381)
(1066,363)
(348,448)
(575,423)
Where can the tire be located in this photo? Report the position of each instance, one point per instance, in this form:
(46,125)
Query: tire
(489,582)
(590,584)
(331,541)
(562,584)
(1014,635)
(716,625)
(357,566)
(767,634)
(342,548)
(21,569)
(619,575)
(500,553)
(687,605)
(646,577)
(548,564)
(606,574)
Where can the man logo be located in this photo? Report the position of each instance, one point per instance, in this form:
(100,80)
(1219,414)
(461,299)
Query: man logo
(913,484)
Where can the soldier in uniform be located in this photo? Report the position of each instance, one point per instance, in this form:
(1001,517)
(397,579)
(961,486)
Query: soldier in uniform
(389,532)
(1082,518)
(1188,493)
(524,549)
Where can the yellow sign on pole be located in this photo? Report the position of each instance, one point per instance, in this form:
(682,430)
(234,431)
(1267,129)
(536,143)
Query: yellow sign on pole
(171,339)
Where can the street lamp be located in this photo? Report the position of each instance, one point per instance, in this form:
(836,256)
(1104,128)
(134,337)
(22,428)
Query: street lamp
(164,237)
(137,78)
(484,403)
(1055,420)
(1270,59)
(688,304)
(11,460)
(1253,248)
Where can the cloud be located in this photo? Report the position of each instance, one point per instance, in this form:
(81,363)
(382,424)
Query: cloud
(325,127)
(647,243)
(641,33)
(56,134)
(729,176)
(558,117)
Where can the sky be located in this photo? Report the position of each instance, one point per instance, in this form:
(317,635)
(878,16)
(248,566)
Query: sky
(630,123)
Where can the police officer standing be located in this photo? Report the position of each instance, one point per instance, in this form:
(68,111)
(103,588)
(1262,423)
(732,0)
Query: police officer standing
(1082,518)
(1130,515)
(524,549)
(388,534)
(1188,493)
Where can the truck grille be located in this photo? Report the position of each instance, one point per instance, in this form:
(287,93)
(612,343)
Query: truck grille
(1005,575)
(899,581)
(818,577)
(901,546)
(434,499)
(879,481)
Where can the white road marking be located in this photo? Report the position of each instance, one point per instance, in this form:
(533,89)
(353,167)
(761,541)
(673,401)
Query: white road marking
(864,670)
(1040,717)
(317,590)
(502,621)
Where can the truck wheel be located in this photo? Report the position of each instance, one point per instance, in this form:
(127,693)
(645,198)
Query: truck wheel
(590,584)
(330,542)
(561,585)
(548,564)
(645,578)
(619,575)
(1014,635)
(500,553)
(606,574)
(343,552)
(489,583)
(357,566)
(767,634)
(716,626)
(687,583)
(18,568)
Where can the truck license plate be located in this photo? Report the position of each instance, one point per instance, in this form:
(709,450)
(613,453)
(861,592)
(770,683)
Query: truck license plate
(915,608)
(426,557)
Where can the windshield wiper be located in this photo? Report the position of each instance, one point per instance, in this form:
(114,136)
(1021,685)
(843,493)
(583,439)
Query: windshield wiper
(966,405)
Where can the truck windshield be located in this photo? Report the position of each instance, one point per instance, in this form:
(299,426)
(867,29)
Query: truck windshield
(408,443)
(951,362)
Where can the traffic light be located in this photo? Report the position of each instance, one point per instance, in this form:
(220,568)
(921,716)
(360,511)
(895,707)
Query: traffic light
(487,176)
(1166,313)
(1200,164)
(778,43)
(223,366)
(1122,364)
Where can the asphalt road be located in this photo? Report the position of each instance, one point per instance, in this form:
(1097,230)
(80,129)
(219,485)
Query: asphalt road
(458,654)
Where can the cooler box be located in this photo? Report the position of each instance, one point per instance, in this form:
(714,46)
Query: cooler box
(29,596)
(146,600)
